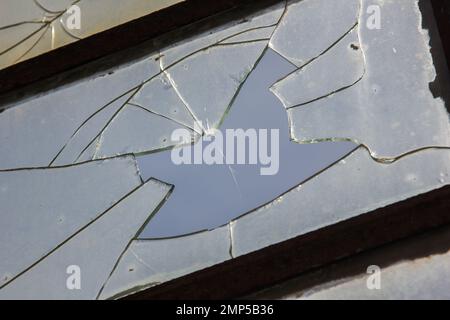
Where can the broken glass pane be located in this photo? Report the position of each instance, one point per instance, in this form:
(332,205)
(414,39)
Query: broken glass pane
(94,250)
(204,190)
(340,82)
(43,207)
(30,28)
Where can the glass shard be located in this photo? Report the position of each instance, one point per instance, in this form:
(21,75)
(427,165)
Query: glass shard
(158,95)
(149,262)
(41,208)
(340,67)
(136,130)
(209,80)
(310,27)
(73,150)
(94,250)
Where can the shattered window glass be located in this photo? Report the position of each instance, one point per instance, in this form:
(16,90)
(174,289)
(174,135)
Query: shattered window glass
(32,27)
(296,117)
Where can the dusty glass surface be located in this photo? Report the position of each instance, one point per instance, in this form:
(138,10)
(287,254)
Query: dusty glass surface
(358,130)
